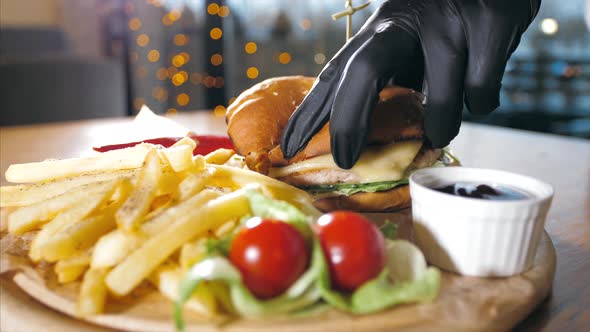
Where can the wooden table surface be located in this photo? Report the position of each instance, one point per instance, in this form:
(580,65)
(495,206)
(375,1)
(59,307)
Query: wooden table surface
(562,162)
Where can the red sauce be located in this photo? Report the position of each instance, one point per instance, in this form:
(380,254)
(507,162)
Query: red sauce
(205,143)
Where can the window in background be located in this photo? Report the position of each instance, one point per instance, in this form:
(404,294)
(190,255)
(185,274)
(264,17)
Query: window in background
(199,54)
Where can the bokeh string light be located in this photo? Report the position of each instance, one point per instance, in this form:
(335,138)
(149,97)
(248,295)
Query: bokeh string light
(180,39)
(250,47)
(284,58)
(216,33)
(183,99)
(143,40)
(252,72)
(169,65)
(216,59)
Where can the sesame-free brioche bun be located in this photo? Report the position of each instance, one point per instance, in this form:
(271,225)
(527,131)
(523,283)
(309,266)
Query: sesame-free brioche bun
(257,119)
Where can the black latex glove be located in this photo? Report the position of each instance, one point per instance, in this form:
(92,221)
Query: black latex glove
(456,49)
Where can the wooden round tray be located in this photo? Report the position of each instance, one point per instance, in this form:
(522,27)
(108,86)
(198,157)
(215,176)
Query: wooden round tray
(464,304)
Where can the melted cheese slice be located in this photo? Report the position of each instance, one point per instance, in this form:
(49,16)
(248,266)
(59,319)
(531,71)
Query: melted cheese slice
(383,163)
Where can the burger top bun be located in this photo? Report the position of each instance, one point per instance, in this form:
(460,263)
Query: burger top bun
(257,118)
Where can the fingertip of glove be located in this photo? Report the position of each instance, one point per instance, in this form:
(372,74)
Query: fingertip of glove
(480,100)
(287,147)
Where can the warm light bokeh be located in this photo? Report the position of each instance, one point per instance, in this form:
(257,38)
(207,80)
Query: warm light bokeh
(143,40)
(250,47)
(216,33)
(219,110)
(213,9)
(134,24)
(284,58)
(153,55)
(216,59)
(252,72)
(162,74)
(178,60)
(180,39)
(223,11)
(183,99)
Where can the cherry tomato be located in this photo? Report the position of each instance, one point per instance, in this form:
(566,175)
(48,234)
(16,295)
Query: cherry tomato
(270,254)
(353,246)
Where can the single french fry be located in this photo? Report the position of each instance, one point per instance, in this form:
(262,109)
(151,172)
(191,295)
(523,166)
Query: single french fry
(70,269)
(55,169)
(225,229)
(193,184)
(30,217)
(112,248)
(169,181)
(180,157)
(143,261)
(83,208)
(138,203)
(28,194)
(159,204)
(167,279)
(93,293)
(199,162)
(219,156)
(192,252)
(185,141)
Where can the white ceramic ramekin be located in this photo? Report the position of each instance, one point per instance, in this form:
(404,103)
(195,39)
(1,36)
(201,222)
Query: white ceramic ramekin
(478,237)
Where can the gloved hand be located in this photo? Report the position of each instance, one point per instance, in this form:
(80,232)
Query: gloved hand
(455,49)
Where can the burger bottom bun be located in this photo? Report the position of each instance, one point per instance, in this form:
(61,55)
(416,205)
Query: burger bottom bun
(382,201)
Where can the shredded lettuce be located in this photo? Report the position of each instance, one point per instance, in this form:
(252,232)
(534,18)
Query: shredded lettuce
(446,158)
(301,295)
(381,292)
(405,279)
(265,207)
(353,188)
(389,230)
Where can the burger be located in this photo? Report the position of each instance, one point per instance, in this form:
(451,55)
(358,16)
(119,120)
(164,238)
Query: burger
(378,182)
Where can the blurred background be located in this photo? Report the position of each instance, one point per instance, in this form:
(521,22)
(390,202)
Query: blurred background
(67,59)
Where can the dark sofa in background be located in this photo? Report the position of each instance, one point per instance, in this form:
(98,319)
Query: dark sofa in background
(41,80)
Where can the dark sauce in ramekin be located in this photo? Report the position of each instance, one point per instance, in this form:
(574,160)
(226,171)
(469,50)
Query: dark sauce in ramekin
(483,191)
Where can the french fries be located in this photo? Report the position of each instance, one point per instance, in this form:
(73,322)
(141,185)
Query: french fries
(192,252)
(219,156)
(138,203)
(193,184)
(115,160)
(93,293)
(273,187)
(76,237)
(29,217)
(55,169)
(180,155)
(70,269)
(22,195)
(137,266)
(68,218)
(112,248)
(139,214)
